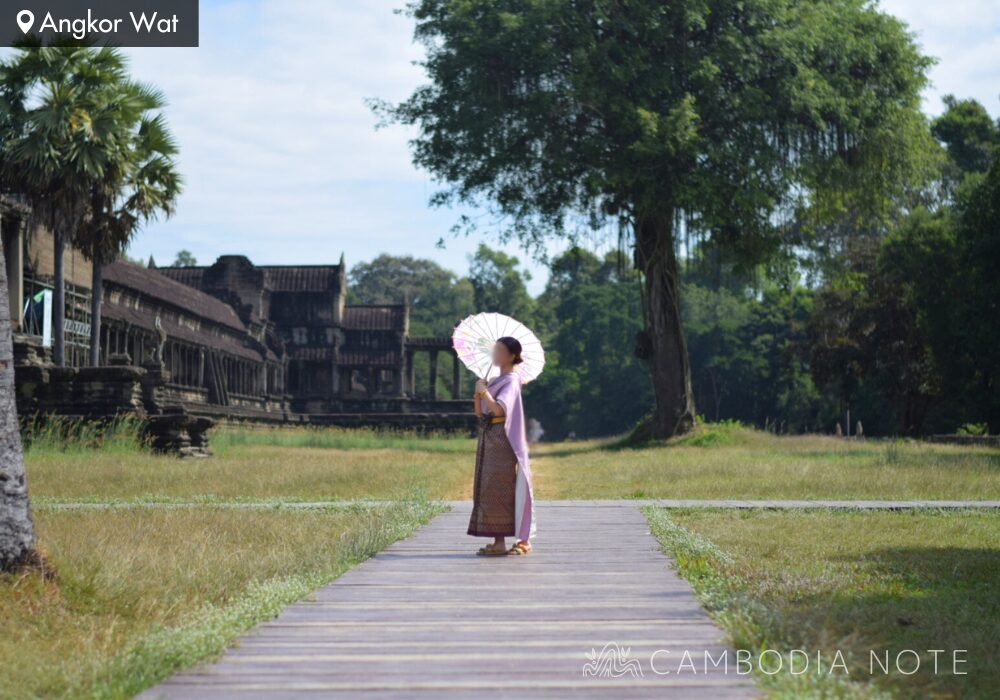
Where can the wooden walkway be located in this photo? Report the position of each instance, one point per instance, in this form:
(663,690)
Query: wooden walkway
(426,618)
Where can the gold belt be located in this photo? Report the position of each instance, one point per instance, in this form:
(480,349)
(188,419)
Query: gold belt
(497,419)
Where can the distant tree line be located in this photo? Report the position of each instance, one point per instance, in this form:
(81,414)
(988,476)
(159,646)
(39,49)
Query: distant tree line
(895,326)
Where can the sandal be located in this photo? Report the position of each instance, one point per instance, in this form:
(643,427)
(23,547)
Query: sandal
(520,548)
(489,551)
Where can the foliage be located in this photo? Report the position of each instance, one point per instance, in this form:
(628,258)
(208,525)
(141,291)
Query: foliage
(87,147)
(721,434)
(968,133)
(184,258)
(140,179)
(498,284)
(945,264)
(730,117)
(546,108)
(438,298)
(60,134)
(592,384)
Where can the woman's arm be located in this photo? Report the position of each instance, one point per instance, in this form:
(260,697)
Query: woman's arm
(481,391)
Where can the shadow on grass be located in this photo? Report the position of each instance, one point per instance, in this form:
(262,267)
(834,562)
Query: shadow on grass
(920,599)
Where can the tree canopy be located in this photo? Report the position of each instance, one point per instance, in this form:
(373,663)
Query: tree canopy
(743,122)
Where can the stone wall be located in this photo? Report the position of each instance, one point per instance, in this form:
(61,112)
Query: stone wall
(176,418)
(105,393)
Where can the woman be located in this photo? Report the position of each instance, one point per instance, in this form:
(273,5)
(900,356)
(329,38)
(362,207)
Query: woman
(502,499)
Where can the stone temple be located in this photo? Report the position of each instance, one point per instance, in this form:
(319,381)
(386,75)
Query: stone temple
(274,343)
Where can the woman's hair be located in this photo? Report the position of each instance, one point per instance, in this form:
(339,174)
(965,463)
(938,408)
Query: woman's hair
(514,346)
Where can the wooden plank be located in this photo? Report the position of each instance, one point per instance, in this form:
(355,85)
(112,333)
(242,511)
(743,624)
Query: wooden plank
(426,618)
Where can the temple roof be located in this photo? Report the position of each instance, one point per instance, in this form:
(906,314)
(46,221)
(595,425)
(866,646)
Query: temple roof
(191,276)
(145,317)
(169,292)
(374,317)
(302,278)
(277,278)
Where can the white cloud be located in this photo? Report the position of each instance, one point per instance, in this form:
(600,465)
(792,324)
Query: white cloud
(281,158)
(964,35)
(280,153)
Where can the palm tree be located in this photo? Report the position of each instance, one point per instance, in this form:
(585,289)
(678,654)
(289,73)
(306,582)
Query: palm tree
(140,182)
(58,140)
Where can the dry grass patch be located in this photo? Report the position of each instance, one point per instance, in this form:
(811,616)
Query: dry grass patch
(143,592)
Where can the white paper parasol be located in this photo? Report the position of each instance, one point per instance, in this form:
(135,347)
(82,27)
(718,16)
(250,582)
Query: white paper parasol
(476,335)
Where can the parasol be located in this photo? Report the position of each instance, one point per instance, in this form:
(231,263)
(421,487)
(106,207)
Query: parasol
(476,335)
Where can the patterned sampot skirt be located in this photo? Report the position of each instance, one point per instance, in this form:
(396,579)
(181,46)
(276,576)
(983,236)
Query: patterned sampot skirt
(494,486)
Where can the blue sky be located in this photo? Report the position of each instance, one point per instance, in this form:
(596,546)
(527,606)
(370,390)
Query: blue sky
(281,158)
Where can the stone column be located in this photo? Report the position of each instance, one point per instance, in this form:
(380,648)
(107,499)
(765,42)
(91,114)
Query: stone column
(410,378)
(201,368)
(434,373)
(13,249)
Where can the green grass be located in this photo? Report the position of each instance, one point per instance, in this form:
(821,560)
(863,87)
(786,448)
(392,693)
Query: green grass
(57,435)
(141,593)
(234,436)
(719,461)
(259,463)
(731,462)
(853,582)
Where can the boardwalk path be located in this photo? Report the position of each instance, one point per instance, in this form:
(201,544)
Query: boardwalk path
(426,618)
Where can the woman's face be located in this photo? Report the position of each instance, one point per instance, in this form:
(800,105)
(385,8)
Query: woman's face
(501,355)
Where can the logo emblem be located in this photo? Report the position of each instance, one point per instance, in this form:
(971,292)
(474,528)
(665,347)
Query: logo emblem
(25,18)
(612,662)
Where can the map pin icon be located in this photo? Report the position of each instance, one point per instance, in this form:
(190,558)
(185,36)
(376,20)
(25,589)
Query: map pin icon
(25,18)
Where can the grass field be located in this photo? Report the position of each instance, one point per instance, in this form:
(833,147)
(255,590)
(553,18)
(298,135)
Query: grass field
(720,462)
(854,582)
(139,594)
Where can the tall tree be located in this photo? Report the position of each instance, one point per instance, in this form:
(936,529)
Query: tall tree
(139,182)
(185,258)
(17,532)
(946,265)
(970,135)
(588,388)
(56,141)
(499,285)
(666,119)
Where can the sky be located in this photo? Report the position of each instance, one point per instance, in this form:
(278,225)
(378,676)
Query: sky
(281,158)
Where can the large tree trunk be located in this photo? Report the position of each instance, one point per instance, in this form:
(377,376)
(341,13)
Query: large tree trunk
(662,342)
(96,292)
(17,532)
(59,298)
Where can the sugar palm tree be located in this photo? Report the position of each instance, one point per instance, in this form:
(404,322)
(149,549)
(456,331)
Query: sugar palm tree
(140,182)
(58,141)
